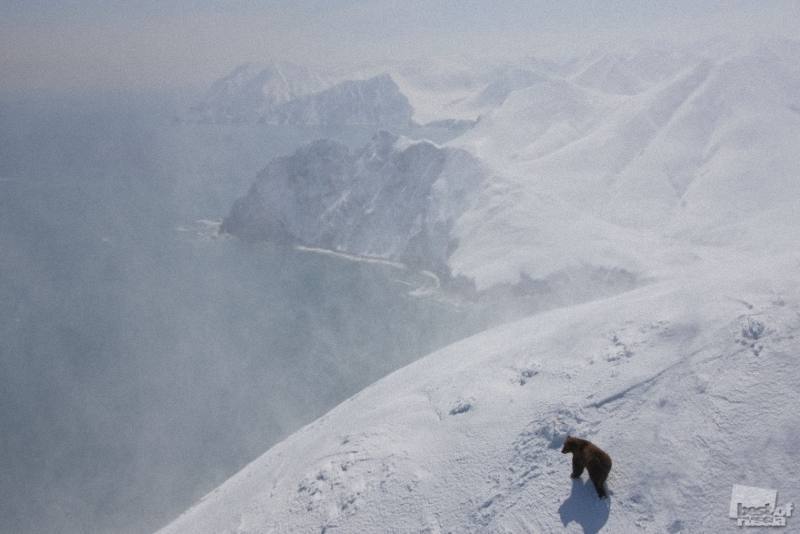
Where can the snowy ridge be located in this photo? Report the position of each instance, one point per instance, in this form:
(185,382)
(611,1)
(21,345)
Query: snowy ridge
(698,149)
(690,387)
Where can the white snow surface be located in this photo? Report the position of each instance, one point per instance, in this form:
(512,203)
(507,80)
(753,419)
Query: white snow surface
(667,378)
(588,177)
(680,168)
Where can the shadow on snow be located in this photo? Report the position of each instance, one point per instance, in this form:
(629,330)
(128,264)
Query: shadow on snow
(583,507)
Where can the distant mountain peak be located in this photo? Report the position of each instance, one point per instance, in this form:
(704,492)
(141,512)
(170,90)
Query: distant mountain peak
(283,92)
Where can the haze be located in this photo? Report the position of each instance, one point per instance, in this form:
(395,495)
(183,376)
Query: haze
(157,45)
(393,177)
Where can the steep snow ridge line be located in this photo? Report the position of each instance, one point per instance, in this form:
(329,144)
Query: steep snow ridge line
(593,111)
(677,113)
(694,79)
(628,111)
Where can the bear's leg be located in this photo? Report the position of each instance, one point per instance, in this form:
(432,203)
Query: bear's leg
(598,486)
(598,475)
(577,466)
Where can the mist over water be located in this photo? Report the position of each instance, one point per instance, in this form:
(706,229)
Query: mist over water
(142,359)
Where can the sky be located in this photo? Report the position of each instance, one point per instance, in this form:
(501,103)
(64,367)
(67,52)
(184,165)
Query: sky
(149,44)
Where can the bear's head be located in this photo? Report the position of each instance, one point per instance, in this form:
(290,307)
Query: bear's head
(570,445)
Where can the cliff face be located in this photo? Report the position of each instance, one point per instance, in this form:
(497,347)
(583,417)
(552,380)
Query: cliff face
(393,199)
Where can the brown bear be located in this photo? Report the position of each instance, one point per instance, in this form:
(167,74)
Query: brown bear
(596,461)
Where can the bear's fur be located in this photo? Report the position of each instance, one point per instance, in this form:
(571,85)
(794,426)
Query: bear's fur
(595,460)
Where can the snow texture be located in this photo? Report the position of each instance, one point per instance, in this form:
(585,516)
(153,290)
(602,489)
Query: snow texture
(468,439)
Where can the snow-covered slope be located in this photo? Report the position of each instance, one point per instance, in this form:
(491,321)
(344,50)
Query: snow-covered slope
(690,153)
(689,383)
(627,72)
(394,199)
(465,88)
(496,92)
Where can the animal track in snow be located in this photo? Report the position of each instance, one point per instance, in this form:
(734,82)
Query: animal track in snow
(337,484)
(531,455)
(624,342)
(752,334)
(524,375)
(461,407)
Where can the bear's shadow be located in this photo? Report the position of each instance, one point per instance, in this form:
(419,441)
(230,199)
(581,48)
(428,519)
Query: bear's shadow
(583,507)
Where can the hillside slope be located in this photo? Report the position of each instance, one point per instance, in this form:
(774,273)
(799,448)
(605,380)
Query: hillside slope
(582,176)
(690,384)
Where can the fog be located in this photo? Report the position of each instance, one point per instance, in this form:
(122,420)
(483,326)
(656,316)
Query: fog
(147,44)
(144,360)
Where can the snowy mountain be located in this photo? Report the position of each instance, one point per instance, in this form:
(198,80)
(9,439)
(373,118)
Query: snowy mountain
(460,88)
(393,199)
(628,72)
(373,101)
(249,92)
(287,93)
(682,159)
(496,92)
(582,181)
(463,88)
(675,169)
